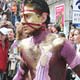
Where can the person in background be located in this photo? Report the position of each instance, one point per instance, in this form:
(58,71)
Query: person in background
(50,25)
(71,36)
(77,40)
(5,22)
(15,17)
(11,38)
(14,55)
(70,74)
(61,34)
(54,28)
(11,35)
(4,46)
(74,37)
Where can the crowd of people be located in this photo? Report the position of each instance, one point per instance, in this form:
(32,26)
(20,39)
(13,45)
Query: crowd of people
(32,48)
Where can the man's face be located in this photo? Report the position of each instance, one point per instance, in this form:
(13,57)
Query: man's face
(28,15)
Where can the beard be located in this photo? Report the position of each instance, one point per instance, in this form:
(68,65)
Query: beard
(36,32)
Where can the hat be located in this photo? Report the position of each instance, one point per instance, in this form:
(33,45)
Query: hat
(4,30)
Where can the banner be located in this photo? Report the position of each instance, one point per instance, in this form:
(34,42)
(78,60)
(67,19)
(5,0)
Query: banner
(76,12)
(60,15)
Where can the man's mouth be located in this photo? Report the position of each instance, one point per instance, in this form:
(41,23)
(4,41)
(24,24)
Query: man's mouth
(33,24)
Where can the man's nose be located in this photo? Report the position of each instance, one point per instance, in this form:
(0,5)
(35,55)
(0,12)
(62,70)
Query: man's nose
(23,20)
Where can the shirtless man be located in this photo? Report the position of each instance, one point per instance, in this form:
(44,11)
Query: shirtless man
(35,18)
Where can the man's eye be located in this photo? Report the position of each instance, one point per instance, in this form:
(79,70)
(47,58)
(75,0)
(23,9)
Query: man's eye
(27,16)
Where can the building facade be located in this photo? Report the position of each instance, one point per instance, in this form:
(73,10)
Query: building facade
(68,12)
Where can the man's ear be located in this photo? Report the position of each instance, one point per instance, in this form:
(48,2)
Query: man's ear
(44,17)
